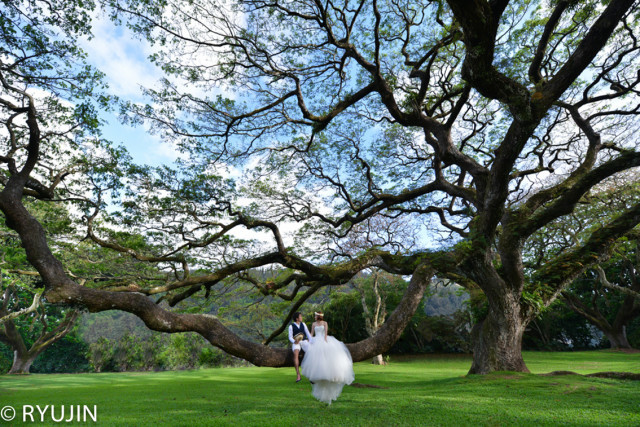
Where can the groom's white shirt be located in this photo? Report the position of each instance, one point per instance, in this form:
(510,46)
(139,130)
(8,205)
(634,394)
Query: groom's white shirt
(295,346)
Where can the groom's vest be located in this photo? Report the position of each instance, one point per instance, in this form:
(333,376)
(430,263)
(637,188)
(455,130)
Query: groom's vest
(299,330)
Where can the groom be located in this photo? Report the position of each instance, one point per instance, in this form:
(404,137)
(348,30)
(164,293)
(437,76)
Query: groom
(295,328)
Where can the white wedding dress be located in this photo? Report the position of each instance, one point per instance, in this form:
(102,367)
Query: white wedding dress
(328,365)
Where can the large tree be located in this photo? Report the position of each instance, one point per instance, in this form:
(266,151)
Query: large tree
(418,109)
(29,331)
(607,295)
(29,324)
(610,307)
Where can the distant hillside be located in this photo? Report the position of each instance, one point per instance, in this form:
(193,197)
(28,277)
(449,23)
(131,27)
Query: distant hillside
(445,300)
(111,325)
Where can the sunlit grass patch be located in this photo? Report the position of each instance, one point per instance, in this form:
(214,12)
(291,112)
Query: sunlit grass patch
(432,390)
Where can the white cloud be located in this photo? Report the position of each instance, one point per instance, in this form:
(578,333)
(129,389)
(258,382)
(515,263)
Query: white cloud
(123,57)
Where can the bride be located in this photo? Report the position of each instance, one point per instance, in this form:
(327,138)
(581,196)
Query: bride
(327,363)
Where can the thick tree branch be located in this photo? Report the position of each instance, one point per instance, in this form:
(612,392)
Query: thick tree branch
(557,273)
(589,47)
(534,68)
(607,284)
(569,192)
(14,315)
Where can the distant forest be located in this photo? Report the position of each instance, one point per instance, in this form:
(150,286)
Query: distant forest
(119,341)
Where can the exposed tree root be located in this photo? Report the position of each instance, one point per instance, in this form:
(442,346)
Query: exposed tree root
(612,375)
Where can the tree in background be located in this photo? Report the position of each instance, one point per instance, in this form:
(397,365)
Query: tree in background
(610,306)
(156,352)
(448,322)
(373,290)
(28,324)
(441,324)
(375,285)
(558,328)
(45,325)
(450,114)
(607,295)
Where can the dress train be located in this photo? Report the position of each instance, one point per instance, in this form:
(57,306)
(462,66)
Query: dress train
(328,364)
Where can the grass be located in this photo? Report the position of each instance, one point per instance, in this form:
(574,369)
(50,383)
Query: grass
(431,390)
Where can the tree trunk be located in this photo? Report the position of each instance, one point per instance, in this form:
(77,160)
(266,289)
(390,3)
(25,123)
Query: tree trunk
(497,339)
(392,328)
(617,338)
(23,357)
(22,363)
(615,331)
(378,360)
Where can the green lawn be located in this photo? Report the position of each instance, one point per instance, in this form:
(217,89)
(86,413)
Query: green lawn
(428,390)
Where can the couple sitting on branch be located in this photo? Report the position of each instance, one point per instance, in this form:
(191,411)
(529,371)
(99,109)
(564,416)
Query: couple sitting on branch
(326,363)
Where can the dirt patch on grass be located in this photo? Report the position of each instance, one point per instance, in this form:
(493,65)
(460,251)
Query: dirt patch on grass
(558,373)
(359,385)
(611,375)
(626,350)
(616,375)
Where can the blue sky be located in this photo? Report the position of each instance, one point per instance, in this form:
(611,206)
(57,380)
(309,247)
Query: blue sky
(123,57)
(115,51)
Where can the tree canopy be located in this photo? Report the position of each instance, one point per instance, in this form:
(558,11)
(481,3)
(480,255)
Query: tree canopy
(606,294)
(472,124)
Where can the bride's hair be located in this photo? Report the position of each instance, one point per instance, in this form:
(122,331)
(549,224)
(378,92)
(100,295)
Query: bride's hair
(319,316)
